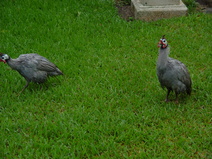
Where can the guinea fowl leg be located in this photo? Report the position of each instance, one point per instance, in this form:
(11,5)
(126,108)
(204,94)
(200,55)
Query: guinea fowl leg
(176,100)
(167,100)
(24,87)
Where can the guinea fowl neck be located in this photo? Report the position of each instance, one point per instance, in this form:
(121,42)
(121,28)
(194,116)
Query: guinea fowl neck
(13,63)
(163,57)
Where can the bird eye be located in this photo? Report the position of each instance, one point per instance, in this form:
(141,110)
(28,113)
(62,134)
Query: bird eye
(164,40)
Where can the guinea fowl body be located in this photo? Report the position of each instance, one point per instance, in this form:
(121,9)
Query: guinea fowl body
(172,74)
(33,67)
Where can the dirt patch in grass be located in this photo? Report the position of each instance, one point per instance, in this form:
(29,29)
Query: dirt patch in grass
(124,9)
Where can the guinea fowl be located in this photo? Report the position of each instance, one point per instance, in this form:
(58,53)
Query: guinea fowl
(33,67)
(172,73)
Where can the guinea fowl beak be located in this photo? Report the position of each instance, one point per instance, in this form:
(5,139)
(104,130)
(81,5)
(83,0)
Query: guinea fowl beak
(2,61)
(160,43)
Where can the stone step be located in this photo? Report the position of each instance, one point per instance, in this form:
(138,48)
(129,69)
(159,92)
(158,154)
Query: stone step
(151,10)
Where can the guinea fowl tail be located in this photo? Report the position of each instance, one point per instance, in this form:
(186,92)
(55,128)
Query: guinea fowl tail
(59,72)
(56,72)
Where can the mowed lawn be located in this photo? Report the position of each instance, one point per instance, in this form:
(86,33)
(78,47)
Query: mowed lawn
(108,103)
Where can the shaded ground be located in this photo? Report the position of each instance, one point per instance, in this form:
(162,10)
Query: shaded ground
(125,10)
(207,3)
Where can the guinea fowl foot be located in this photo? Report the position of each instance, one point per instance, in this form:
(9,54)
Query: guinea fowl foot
(167,100)
(176,101)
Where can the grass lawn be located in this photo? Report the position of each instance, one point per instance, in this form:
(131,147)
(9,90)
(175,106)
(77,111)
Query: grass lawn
(108,103)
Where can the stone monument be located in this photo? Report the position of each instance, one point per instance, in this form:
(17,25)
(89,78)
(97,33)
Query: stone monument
(150,10)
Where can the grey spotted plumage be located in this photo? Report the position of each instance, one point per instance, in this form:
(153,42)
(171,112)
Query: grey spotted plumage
(172,74)
(33,67)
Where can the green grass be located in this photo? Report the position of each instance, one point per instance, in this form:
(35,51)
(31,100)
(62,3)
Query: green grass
(109,103)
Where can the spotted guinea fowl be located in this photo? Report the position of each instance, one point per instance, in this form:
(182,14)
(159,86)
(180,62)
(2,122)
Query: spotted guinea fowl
(172,73)
(33,67)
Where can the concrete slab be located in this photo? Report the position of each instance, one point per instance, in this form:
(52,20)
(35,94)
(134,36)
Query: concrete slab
(159,2)
(155,12)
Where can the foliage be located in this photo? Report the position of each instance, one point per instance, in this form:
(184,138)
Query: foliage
(191,5)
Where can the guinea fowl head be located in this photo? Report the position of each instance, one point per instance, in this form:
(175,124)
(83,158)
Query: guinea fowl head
(163,43)
(4,57)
